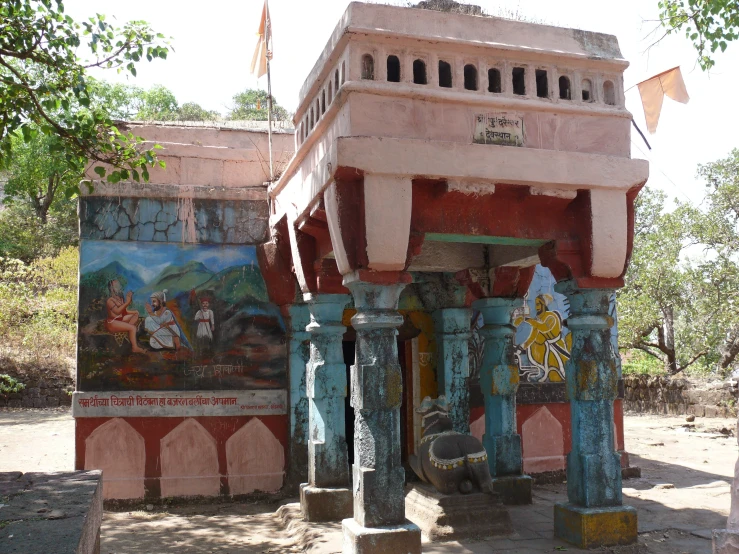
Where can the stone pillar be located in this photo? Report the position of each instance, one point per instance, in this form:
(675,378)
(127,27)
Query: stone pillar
(452,326)
(594,515)
(499,384)
(726,541)
(297,318)
(326,496)
(379,523)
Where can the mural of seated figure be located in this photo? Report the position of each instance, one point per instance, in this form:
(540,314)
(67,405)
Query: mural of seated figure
(450,461)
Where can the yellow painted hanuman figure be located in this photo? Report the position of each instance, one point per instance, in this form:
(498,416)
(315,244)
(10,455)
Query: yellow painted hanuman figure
(546,348)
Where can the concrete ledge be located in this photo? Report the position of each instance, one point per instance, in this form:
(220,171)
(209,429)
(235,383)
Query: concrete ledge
(319,504)
(514,490)
(593,527)
(725,541)
(405,539)
(51,512)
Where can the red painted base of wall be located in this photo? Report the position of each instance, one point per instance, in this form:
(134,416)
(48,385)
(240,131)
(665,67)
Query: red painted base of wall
(178,456)
(546,435)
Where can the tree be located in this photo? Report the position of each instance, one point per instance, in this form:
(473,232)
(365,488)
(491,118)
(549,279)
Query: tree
(252,105)
(41,171)
(681,297)
(130,103)
(717,227)
(45,88)
(709,24)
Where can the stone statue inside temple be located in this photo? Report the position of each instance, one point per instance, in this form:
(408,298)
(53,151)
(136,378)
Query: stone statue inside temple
(452,462)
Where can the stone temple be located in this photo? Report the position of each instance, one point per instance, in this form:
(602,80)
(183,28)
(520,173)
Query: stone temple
(453,214)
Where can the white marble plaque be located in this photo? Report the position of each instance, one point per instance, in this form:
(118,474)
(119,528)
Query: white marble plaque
(503,129)
(179,403)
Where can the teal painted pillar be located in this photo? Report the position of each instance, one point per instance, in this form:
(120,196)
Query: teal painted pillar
(594,515)
(499,384)
(379,523)
(452,329)
(298,346)
(327,495)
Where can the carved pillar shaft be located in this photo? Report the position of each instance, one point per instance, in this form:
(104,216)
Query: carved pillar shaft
(499,384)
(326,386)
(377,392)
(298,345)
(594,515)
(593,466)
(452,326)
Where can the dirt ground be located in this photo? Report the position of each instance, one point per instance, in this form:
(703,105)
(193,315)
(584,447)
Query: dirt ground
(682,495)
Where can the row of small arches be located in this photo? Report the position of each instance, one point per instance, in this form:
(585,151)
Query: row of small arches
(471,80)
(327,96)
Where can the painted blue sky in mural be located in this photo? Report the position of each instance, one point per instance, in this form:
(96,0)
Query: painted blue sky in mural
(141,257)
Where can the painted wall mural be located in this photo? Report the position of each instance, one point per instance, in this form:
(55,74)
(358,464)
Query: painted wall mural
(542,339)
(543,342)
(172,316)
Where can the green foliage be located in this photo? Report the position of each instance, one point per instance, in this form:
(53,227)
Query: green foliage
(22,235)
(39,316)
(709,24)
(45,88)
(128,102)
(9,385)
(42,172)
(636,362)
(680,303)
(252,105)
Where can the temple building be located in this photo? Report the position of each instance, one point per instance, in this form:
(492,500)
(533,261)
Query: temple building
(453,215)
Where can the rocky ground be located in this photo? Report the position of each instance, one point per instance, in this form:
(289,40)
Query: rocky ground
(683,494)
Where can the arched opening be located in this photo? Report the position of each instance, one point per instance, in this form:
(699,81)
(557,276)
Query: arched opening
(542,83)
(565,93)
(494,82)
(323,102)
(318,110)
(330,92)
(393,69)
(343,72)
(419,72)
(445,74)
(519,80)
(312,119)
(587,90)
(609,93)
(470,77)
(336,81)
(368,67)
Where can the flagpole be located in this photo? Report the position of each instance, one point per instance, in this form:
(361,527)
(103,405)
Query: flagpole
(267,36)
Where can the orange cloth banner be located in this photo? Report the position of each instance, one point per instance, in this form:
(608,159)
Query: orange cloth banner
(263,50)
(653,91)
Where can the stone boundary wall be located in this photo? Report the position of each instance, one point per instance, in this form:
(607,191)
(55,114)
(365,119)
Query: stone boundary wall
(679,396)
(41,393)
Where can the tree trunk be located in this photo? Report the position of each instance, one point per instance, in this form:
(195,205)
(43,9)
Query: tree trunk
(667,340)
(730,348)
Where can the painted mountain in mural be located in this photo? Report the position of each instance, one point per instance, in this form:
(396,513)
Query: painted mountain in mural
(176,279)
(114,270)
(236,285)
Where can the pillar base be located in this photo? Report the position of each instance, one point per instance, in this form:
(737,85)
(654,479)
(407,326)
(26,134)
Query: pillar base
(592,527)
(725,541)
(514,490)
(318,504)
(405,538)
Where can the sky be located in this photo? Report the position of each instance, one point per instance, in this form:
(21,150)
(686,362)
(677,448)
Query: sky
(213,45)
(148,263)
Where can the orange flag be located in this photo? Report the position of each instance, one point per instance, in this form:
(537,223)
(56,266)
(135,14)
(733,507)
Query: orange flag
(653,92)
(263,51)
